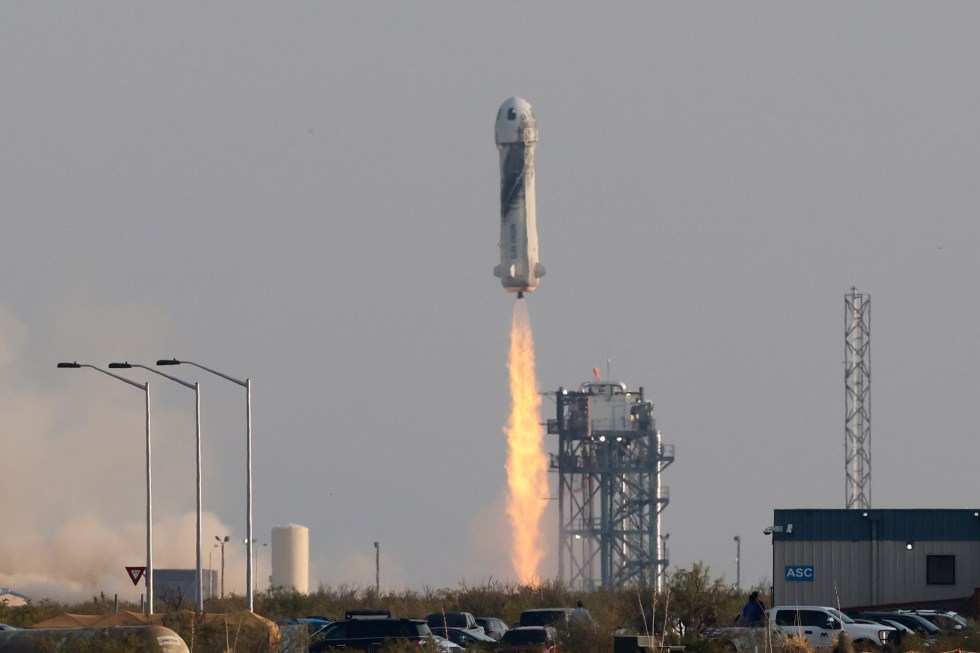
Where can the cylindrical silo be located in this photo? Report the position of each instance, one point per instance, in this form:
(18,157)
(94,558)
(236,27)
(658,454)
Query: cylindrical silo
(291,557)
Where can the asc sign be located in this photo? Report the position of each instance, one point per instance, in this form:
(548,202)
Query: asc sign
(799,572)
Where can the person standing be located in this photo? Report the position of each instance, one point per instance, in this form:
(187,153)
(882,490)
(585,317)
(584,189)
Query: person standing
(753,612)
(580,614)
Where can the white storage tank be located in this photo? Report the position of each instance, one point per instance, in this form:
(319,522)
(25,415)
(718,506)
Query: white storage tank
(291,557)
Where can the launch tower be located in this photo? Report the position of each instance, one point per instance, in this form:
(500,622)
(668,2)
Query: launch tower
(610,498)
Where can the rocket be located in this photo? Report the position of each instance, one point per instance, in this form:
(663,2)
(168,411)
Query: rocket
(517,135)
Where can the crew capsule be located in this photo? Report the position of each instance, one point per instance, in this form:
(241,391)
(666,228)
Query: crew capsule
(515,122)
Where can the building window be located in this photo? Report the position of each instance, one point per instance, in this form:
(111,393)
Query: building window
(940,570)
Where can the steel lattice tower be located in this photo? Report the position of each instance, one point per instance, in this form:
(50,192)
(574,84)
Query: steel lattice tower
(610,497)
(857,398)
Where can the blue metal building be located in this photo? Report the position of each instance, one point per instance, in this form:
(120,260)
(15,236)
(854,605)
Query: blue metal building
(852,558)
(176,586)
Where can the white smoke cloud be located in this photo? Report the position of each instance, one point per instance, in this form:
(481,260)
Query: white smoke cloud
(87,556)
(73,511)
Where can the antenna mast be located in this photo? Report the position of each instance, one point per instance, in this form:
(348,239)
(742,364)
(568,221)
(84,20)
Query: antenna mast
(857,399)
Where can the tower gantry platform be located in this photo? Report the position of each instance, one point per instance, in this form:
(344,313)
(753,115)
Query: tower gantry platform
(610,498)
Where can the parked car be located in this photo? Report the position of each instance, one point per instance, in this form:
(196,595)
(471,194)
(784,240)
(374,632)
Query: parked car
(557,617)
(904,631)
(493,626)
(298,632)
(453,619)
(468,639)
(366,634)
(922,626)
(819,625)
(539,639)
(948,621)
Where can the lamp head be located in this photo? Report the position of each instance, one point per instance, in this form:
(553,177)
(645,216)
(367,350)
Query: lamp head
(68,366)
(168,361)
(120,366)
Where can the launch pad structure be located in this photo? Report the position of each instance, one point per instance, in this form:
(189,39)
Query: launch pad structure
(610,498)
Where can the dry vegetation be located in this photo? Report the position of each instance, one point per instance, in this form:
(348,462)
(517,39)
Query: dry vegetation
(693,599)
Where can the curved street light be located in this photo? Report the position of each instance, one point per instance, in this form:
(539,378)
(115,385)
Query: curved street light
(196,387)
(222,543)
(145,387)
(250,593)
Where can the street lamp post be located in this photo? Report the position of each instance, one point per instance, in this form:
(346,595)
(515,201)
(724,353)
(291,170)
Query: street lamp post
(250,596)
(738,562)
(196,387)
(258,559)
(211,571)
(377,568)
(222,542)
(145,387)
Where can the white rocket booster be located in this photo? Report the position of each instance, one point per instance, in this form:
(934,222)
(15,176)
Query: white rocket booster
(517,135)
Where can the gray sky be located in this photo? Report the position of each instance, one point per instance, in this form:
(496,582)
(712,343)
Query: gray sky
(306,194)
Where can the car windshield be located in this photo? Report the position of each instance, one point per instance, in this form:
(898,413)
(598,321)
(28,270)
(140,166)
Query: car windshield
(958,618)
(451,619)
(896,625)
(523,637)
(336,630)
(840,615)
(541,617)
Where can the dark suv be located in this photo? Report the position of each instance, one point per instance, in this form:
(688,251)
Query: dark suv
(368,634)
(557,617)
(914,622)
(919,626)
(453,619)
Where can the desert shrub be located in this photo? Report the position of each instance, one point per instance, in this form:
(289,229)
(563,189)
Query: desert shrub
(25,616)
(793,644)
(217,637)
(707,645)
(584,637)
(83,641)
(698,602)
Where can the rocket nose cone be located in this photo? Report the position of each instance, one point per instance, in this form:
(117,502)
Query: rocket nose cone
(513,118)
(516,104)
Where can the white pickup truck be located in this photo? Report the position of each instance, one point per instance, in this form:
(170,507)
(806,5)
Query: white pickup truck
(820,626)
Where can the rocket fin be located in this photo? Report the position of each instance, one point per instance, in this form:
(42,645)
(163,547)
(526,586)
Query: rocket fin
(496,271)
(538,270)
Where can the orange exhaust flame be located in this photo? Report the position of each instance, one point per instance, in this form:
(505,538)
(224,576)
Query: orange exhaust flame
(527,472)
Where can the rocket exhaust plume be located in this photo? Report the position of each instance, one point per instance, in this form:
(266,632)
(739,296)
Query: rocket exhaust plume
(527,471)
